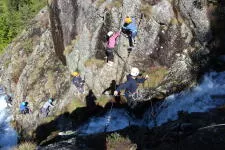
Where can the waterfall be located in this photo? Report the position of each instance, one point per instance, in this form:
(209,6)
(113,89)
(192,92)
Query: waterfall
(8,136)
(209,94)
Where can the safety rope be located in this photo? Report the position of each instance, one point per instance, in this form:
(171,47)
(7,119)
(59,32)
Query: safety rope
(108,118)
(211,126)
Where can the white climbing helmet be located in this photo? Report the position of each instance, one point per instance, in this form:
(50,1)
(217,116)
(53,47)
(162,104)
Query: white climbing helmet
(110,33)
(134,71)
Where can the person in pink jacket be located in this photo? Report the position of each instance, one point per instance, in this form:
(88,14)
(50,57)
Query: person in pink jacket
(111,42)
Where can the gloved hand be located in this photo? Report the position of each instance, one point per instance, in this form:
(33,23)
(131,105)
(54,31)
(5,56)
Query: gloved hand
(146,77)
(115,93)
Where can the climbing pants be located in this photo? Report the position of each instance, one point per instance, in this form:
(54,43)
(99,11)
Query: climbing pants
(80,88)
(131,36)
(109,54)
(45,112)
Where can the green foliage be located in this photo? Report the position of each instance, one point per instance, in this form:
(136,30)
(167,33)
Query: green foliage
(14,16)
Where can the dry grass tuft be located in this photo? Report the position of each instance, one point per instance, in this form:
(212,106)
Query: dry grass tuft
(69,48)
(146,10)
(73,105)
(26,146)
(102,100)
(156,76)
(94,62)
(100,2)
(116,141)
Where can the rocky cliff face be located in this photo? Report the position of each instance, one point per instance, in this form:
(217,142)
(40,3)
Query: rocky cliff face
(171,34)
(71,36)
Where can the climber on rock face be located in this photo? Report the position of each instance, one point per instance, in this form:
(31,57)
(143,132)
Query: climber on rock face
(78,82)
(130,29)
(111,42)
(131,85)
(46,107)
(8,100)
(24,109)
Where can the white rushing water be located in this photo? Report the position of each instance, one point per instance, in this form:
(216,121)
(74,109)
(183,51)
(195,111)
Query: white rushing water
(208,95)
(8,136)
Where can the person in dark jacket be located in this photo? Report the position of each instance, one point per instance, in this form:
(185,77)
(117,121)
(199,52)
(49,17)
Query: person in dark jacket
(8,100)
(131,85)
(78,82)
(46,107)
(24,109)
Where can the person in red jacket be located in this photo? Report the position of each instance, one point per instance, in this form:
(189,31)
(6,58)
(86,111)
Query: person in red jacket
(111,42)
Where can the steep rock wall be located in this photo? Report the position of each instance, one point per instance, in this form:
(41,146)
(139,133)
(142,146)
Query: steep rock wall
(37,65)
(171,34)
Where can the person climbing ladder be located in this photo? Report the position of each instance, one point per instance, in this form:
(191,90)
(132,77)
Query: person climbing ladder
(130,29)
(111,42)
(131,85)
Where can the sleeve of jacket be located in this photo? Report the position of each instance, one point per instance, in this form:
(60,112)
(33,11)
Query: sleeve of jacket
(141,80)
(116,35)
(124,27)
(123,86)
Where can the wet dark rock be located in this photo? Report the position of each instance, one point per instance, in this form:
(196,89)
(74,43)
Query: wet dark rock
(190,131)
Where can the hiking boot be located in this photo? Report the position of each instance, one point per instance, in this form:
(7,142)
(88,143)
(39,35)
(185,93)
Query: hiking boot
(110,63)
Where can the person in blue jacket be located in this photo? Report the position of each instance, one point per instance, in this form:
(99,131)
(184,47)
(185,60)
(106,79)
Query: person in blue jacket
(24,109)
(130,29)
(131,85)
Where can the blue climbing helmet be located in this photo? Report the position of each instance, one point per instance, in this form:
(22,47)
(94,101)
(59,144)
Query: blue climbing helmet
(50,100)
(24,103)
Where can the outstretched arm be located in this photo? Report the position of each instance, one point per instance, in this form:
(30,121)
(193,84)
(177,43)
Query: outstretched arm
(142,80)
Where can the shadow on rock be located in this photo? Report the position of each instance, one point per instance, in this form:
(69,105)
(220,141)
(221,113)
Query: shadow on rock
(49,132)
